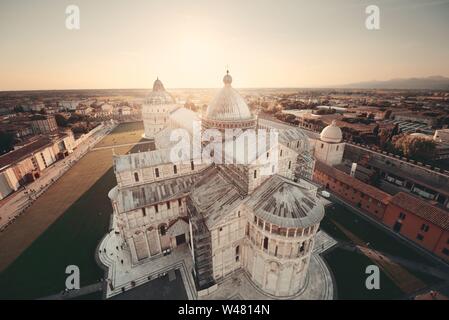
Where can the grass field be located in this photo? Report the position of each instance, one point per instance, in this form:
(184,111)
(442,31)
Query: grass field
(40,270)
(65,222)
(348,268)
(123,134)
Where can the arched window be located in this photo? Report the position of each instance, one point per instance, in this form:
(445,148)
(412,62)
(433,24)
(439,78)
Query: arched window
(162,230)
(136,177)
(175,169)
(255,174)
(156,171)
(265,243)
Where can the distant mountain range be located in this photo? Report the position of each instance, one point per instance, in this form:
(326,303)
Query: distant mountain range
(430,83)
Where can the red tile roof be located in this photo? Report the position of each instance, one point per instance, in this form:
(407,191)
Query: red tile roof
(367,189)
(423,209)
(24,152)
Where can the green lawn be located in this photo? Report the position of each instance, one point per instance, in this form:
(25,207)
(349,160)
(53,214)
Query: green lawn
(72,239)
(348,267)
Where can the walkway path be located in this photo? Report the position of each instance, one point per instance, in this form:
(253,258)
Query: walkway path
(16,203)
(406,281)
(97,287)
(436,272)
(150,142)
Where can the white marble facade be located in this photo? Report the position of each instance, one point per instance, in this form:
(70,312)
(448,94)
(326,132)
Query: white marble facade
(232,216)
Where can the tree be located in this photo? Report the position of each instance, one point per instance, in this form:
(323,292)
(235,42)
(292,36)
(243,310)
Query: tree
(396,130)
(376,130)
(61,121)
(418,148)
(7,141)
(18,109)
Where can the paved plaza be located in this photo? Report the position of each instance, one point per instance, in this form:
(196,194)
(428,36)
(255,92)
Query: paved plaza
(132,281)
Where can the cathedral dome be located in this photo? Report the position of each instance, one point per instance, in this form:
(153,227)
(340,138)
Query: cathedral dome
(332,133)
(159,95)
(228,104)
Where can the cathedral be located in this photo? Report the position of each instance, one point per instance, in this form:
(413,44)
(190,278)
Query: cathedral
(259,216)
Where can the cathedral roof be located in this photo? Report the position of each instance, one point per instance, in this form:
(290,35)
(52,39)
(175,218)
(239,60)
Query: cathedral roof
(180,118)
(286,203)
(214,196)
(137,197)
(228,104)
(133,161)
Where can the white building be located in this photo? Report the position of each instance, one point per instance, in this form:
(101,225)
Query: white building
(156,109)
(26,164)
(253,216)
(330,148)
(441,136)
(107,109)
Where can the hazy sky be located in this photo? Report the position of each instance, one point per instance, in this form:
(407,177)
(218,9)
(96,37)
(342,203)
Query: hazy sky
(189,43)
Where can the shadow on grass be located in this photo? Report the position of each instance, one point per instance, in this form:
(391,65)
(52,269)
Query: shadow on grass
(71,240)
(349,268)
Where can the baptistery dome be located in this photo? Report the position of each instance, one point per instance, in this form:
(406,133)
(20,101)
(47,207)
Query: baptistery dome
(159,95)
(156,109)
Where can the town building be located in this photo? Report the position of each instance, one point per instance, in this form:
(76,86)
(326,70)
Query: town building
(361,195)
(43,124)
(25,164)
(420,222)
(441,136)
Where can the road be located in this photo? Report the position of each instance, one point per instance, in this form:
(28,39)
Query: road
(123,145)
(15,204)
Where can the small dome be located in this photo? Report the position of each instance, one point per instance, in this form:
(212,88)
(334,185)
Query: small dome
(228,104)
(332,133)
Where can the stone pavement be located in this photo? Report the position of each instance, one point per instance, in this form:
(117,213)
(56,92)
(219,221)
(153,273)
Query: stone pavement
(323,242)
(121,275)
(318,286)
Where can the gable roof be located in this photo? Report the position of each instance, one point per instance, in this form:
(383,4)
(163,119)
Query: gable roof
(423,209)
(358,185)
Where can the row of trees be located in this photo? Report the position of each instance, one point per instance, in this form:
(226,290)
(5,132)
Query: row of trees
(7,141)
(413,147)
